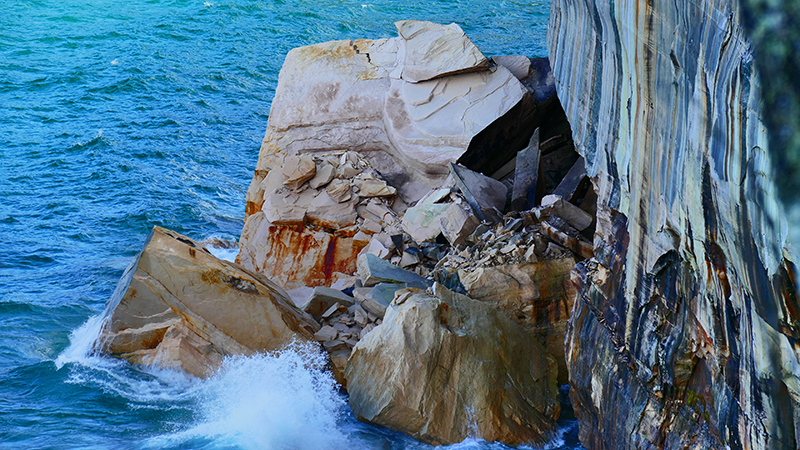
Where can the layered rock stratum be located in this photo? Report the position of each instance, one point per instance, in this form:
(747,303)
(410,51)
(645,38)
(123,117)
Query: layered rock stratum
(686,330)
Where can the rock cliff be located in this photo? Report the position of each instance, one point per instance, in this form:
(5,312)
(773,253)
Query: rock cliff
(686,329)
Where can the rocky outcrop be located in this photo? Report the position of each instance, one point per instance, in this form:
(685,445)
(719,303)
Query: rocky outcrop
(686,330)
(372,96)
(180,307)
(443,368)
(360,130)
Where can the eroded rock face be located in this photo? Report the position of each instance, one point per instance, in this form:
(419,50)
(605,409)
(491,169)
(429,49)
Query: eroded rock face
(443,368)
(354,95)
(181,307)
(686,331)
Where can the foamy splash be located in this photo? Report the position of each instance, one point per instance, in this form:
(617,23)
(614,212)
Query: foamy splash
(284,400)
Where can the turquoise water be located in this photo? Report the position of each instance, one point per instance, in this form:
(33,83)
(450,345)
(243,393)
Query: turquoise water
(117,116)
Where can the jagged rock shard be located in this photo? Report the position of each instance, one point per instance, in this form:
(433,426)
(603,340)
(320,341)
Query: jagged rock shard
(526,175)
(572,180)
(323,298)
(179,306)
(481,192)
(434,51)
(373,270)
(445,368)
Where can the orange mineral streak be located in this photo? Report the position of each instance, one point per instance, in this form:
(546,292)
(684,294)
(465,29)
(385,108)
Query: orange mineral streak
(300,255)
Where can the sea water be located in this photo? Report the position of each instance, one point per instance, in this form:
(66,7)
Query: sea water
(116,116)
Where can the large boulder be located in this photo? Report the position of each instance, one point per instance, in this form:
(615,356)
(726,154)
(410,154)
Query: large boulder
(178,306)
(443,368)
(537,295)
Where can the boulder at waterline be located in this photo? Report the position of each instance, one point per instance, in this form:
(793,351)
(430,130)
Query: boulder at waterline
(178,306)
(443,368)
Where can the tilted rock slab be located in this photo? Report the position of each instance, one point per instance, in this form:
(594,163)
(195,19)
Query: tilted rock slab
(686,332)
(433,51)
(443,368)
(178,306)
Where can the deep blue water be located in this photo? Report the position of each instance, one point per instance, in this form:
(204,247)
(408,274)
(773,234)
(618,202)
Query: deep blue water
(119,115)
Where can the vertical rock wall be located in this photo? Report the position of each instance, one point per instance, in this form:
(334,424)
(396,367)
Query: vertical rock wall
(686,332)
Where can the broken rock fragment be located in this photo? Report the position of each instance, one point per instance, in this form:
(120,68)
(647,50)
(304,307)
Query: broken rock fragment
(322,298)
(373,270)
(575,216)
(433,51)
(297,170)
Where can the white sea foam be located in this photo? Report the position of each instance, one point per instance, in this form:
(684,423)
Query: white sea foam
(284,400)
(221,247)
(81,342)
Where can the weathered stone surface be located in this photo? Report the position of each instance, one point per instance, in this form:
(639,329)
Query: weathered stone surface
(457,223)
(686,331)
(434,51)
(323,298)
(448,367)
(323,176)
(347,95)
(295,256)
(518,65)
(423,221)
(339,190)
(537,295)
(180,307)
(374,188)
(326,333)
(297,170)
(373,270)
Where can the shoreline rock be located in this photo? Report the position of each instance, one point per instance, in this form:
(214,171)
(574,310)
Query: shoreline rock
(443,368)
(179,306)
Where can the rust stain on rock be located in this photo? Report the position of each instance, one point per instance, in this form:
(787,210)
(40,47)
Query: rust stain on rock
(304,256)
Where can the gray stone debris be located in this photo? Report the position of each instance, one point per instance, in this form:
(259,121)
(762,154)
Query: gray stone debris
(373,270)
(322,298)
(575,216)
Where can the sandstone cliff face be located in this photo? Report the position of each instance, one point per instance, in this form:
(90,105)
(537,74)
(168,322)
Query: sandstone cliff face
(686,329)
